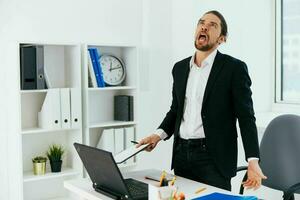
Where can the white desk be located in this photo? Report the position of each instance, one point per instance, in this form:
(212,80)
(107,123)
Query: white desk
(83,187)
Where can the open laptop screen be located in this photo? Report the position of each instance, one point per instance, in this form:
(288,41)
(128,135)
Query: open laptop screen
(102,169)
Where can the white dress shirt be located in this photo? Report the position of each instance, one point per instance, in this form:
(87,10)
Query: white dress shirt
(191,126)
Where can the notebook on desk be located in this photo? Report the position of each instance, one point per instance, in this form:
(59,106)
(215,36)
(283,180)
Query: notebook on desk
(218,196)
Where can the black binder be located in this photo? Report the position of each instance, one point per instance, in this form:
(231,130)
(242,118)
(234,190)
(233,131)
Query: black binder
(32,67)
(123,108)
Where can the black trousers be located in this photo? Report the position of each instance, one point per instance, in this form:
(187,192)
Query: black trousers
(193,161)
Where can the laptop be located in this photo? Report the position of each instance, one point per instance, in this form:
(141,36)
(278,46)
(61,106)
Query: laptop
(106,176)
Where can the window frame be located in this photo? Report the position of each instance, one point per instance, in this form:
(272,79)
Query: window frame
(278,103)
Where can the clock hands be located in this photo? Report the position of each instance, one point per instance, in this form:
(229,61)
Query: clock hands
(110,66)
(114,68)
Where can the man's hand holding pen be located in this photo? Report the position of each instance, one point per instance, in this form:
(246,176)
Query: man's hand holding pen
(153,140)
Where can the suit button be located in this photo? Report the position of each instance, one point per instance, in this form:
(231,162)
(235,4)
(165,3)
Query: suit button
(203,116)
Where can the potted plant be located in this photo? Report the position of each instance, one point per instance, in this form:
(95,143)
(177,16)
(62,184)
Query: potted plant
(54,155)
(39,165)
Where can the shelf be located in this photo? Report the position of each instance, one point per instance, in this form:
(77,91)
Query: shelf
(33,91)
(113,88)
(29,176)
(37,130)
(111,124)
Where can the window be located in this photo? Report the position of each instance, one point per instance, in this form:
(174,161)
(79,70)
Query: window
(288,51)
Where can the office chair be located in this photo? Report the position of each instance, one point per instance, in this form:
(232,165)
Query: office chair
(279,156)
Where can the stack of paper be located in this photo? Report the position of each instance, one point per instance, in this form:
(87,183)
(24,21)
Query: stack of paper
(218,196)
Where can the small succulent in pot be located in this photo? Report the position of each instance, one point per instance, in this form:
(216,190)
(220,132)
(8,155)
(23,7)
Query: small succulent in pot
(39,165)
(54,155)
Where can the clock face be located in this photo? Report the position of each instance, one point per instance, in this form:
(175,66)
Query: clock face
(113,69)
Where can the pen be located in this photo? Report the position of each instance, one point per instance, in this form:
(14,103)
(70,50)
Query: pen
(162,177)
(134,142)
(200,190)
(173,180)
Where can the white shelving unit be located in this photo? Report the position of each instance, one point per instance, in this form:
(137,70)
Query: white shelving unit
(67,68)
(98,103)
(63,64)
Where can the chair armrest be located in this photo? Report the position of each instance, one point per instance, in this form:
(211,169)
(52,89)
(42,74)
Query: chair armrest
(289,193)
(242,168)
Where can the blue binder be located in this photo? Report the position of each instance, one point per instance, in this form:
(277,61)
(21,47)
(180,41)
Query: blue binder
(96,66)
(218,196)
(97,56)
(97,74)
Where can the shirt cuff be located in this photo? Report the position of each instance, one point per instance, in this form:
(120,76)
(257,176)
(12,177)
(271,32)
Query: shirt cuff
(252,158)
(161,133)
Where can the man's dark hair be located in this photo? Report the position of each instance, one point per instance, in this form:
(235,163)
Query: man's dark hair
(222,19)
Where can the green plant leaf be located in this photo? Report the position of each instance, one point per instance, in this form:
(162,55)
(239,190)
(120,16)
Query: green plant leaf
(55,152)
(39,159)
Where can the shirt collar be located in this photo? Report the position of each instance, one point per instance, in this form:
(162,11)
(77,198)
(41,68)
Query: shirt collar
(207,61)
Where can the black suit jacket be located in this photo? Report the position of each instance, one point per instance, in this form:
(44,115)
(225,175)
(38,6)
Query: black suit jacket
(227,97)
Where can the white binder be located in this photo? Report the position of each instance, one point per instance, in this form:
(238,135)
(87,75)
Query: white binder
(107,141)
(91,71)
(75,108)
(49,116)
(129,136)
(119,140)
(65,108)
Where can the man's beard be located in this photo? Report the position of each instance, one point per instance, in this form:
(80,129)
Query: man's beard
(206,47)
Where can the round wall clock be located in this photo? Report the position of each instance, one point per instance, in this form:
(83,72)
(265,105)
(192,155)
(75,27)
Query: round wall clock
(113,69)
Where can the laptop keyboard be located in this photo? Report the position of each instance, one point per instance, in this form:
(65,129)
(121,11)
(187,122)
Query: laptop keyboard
(136,188)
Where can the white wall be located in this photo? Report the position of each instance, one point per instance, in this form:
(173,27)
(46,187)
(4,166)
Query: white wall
(68,21)
(155,78)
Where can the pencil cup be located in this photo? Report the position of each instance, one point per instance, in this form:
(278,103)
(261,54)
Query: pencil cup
(160,193)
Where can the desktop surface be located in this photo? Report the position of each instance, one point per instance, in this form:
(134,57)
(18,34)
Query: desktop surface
(83,187)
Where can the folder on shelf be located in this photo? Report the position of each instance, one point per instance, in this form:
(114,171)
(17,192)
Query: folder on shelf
(65,108)
(119,140)
(47,79)
(222,196)
(32,67)
(75,108)
(123,108)
(97,57)
(129,136)
(92,73)
(49,117)
(94,56)
(107,141)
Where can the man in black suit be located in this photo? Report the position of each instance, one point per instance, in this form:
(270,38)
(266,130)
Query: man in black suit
(210,92)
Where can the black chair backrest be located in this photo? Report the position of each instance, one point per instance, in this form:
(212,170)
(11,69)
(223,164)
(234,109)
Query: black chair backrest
(280,152)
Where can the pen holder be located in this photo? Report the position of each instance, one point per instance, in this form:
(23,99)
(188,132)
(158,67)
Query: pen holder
(160,193)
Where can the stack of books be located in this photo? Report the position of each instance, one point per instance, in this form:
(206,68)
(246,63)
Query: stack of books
(95,69)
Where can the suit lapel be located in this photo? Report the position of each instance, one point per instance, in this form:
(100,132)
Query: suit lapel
(185,74)
(217,66)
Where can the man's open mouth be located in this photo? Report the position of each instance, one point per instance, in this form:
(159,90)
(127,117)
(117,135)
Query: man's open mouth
(202,37)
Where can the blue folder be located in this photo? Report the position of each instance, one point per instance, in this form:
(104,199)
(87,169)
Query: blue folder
(220,196)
